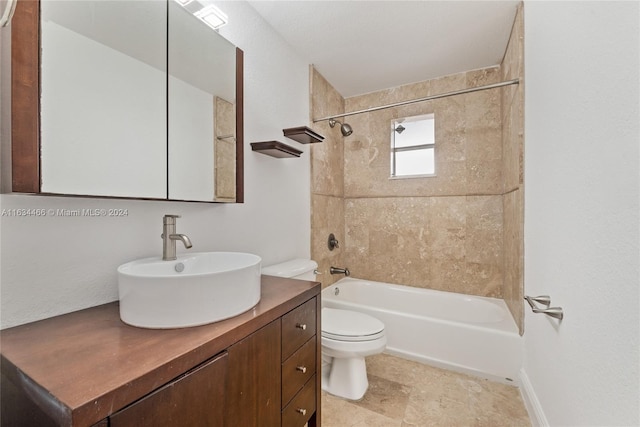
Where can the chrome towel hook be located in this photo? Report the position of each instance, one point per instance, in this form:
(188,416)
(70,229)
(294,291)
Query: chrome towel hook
(545,300)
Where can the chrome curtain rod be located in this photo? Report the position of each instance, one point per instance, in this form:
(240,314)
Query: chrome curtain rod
(427,98)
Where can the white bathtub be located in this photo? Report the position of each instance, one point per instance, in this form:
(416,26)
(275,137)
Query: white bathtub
(471,334)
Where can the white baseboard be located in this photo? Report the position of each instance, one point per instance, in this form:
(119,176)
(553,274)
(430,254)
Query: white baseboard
(531,402)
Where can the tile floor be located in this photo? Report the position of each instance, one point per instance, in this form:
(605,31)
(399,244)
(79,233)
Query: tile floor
(404,393)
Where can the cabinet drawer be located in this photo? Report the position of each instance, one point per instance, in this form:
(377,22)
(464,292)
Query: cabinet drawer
(297,327)
(297,370)
(301,407)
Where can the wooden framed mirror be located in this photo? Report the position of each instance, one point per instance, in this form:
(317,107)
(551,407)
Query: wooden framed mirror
(112,130)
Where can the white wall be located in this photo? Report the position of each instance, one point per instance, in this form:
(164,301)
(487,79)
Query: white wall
(581,211)
(56,264)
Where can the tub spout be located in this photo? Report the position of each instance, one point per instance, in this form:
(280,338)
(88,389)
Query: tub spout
(336,270)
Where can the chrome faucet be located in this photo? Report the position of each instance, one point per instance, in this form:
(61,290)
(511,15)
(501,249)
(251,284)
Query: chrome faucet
(169,237)
(336,270)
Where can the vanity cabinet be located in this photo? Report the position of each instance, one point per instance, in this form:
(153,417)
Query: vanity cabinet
(195,399)
(253,395)
(88,368)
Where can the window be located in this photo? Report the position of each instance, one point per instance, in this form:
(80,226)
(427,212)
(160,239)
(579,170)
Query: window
(413,146)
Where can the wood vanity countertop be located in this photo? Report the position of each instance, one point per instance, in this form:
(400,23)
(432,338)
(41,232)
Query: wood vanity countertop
(83,366)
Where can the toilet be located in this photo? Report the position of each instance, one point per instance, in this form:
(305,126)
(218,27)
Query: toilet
(347,338)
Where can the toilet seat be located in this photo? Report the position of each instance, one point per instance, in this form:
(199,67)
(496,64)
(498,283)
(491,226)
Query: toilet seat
(346,325)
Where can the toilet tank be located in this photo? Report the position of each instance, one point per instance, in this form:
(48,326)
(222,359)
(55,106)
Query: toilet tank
(303,269)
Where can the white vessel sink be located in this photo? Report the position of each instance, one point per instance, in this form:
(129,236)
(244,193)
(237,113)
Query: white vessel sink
(193,290)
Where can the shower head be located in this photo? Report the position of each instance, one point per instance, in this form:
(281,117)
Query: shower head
(344,127)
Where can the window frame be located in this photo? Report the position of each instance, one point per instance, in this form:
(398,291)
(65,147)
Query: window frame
(417,147)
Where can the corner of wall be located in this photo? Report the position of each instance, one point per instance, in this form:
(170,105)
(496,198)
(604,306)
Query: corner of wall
(531,402)
(512,105)
(327,178)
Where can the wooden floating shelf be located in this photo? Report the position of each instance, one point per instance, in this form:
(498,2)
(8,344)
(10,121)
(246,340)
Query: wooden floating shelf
(303,135)
(275,149)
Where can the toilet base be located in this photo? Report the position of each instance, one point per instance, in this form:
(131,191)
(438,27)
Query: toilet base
(345,377)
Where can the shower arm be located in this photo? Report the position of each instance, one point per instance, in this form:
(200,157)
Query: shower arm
(427,98)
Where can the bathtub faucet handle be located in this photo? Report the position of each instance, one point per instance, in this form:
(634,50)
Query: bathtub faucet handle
(336,270)
(332,242)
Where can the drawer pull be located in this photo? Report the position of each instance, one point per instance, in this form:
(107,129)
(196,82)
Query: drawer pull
(302,369)
(301,411)
(302,326)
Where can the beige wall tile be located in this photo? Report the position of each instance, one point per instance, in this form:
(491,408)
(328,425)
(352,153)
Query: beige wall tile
(448,83)
(513,172)
(483,76)
(327,175)
(513,137)
(327,179)
(484,229)
(513,288)
(446,243)
(325,100)
(447,232)
(468,130)
(405,230)
(327,171)
(327,216)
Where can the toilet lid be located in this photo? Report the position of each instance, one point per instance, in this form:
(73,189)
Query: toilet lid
(347,325)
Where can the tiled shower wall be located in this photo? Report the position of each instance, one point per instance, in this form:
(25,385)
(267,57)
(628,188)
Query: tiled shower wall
(442,232)
(460,231)
(513,154)
(327,179)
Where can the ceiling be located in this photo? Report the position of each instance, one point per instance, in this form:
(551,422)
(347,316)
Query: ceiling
(366,46)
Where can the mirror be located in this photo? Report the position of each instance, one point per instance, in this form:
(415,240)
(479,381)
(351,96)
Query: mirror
(138,100)
(103,92)
(201,110)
